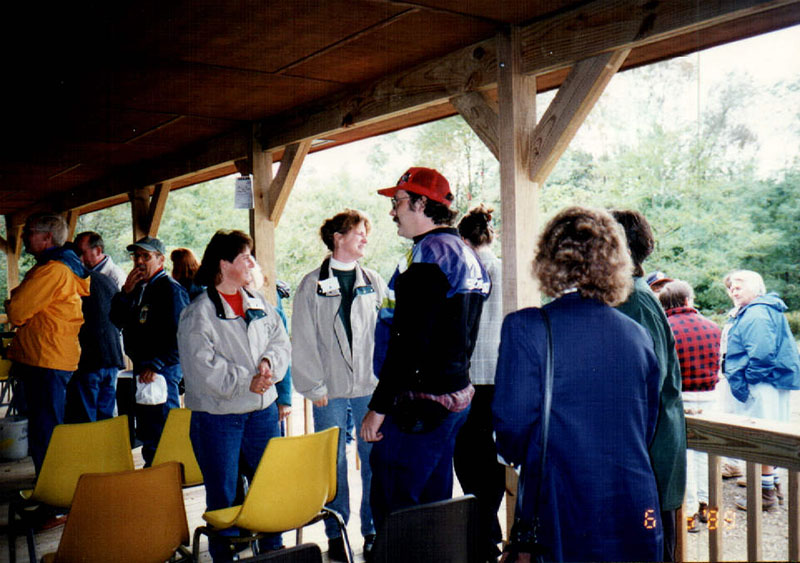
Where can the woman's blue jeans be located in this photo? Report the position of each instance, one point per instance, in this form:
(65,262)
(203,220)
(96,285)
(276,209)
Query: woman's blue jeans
(333,415)
(225,446)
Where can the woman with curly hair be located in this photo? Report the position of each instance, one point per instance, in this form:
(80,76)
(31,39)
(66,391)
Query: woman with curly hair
(598,500)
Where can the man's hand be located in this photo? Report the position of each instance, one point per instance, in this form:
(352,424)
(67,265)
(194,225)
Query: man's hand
(283,412)
(147,376)
(136,275)
(370,427)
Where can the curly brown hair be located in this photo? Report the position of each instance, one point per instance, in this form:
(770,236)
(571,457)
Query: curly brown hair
(584,249)
(342,223)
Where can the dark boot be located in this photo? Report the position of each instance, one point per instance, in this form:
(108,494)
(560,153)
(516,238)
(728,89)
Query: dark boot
(769,499)
(779,493)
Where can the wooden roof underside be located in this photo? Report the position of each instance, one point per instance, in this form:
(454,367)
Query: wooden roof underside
(98,103)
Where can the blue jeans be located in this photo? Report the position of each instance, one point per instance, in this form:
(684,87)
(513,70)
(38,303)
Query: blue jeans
(92,395)
(335,415)
(225,446)
(412,469)
(150,419)
(42,399)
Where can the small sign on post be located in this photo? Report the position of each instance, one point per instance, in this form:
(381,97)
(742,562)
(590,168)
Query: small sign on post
(243,196)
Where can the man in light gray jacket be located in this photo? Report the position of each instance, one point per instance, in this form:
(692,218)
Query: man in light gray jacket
(333,328)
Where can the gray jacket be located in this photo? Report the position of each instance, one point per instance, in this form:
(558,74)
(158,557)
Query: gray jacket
(323,364)
(220,352)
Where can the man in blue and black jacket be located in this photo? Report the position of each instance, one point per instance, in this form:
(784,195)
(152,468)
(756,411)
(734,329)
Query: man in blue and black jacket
(424,339)
(147,311)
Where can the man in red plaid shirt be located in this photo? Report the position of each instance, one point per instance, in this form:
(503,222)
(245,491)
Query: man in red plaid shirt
(697,341)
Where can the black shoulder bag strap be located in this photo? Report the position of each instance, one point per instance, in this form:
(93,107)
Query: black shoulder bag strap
(525,536)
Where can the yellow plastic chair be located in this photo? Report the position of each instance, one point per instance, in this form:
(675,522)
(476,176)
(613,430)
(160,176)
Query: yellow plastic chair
(74,449)
(134,516)
(294,480)
(175,445)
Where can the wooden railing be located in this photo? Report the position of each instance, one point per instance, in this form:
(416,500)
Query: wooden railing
(758,442)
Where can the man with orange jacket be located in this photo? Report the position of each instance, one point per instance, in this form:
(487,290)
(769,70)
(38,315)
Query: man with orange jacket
(46,309)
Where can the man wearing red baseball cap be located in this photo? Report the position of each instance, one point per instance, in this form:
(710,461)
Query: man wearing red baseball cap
(423,342)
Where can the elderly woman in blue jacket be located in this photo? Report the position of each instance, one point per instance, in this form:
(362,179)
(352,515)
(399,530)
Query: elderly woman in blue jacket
(761,361)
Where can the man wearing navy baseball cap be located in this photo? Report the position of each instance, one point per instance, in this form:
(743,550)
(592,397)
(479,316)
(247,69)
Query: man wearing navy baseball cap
(424,339)
(147,310)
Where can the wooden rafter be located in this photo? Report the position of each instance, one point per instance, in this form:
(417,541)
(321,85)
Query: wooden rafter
(156,210)
(282,185)
(481,116)
(568,110)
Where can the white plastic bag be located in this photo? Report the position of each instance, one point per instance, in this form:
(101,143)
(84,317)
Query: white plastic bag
(153,393)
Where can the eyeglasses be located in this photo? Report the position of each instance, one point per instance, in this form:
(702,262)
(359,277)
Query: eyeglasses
(396,201)
(143,256)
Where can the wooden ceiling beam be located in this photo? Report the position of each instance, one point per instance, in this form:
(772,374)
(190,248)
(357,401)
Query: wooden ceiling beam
(547,45)
(608,25)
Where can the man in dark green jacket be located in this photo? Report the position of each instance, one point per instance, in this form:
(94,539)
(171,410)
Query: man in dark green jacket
(668,449)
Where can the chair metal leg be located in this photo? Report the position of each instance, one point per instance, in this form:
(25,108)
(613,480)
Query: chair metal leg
(31,546)
(342,529)
(196,542)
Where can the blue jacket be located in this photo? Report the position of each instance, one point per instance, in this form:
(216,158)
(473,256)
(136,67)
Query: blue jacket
(761,348)
(600,498)
(148,317)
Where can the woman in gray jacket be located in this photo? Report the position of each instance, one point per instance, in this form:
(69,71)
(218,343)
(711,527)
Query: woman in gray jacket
(333,329)
(234,349)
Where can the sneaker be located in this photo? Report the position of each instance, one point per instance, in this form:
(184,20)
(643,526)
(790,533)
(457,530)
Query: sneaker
(369,543)
(730,470)
(741,481)
(336,550)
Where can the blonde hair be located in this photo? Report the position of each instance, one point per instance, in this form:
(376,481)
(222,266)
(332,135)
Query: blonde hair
(751,279)
(585,249)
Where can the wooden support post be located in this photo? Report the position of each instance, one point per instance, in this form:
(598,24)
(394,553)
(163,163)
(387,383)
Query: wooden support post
(716,509)
(481,116)
(754,524)
(568,110)
(519,196)
(262,229)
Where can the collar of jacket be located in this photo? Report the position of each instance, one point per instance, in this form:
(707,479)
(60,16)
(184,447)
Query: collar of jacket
(439,230)
(250,314)
(325,273)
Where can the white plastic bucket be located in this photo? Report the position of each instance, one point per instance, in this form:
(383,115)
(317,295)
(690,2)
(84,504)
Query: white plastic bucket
(13,437)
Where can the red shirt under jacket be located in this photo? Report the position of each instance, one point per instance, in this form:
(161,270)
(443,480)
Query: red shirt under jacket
(697,343)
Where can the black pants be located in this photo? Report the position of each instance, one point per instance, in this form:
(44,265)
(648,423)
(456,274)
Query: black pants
(478,471)
(669,525)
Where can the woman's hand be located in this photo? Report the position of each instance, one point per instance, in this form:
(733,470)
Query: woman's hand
(263,379)
(323,402)
(370,427)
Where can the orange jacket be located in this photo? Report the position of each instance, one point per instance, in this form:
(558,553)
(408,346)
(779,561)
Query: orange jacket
(46,307)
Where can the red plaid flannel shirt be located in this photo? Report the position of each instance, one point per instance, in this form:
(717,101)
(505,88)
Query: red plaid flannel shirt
(697,343)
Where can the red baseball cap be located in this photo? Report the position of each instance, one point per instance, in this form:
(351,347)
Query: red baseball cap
(423,181)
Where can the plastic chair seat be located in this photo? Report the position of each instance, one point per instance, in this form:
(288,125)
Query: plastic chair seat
(294,481)
(175,445)
(74,449)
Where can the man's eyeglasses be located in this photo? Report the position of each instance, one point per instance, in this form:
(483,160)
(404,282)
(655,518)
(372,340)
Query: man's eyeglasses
(396,201)
(143,256)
